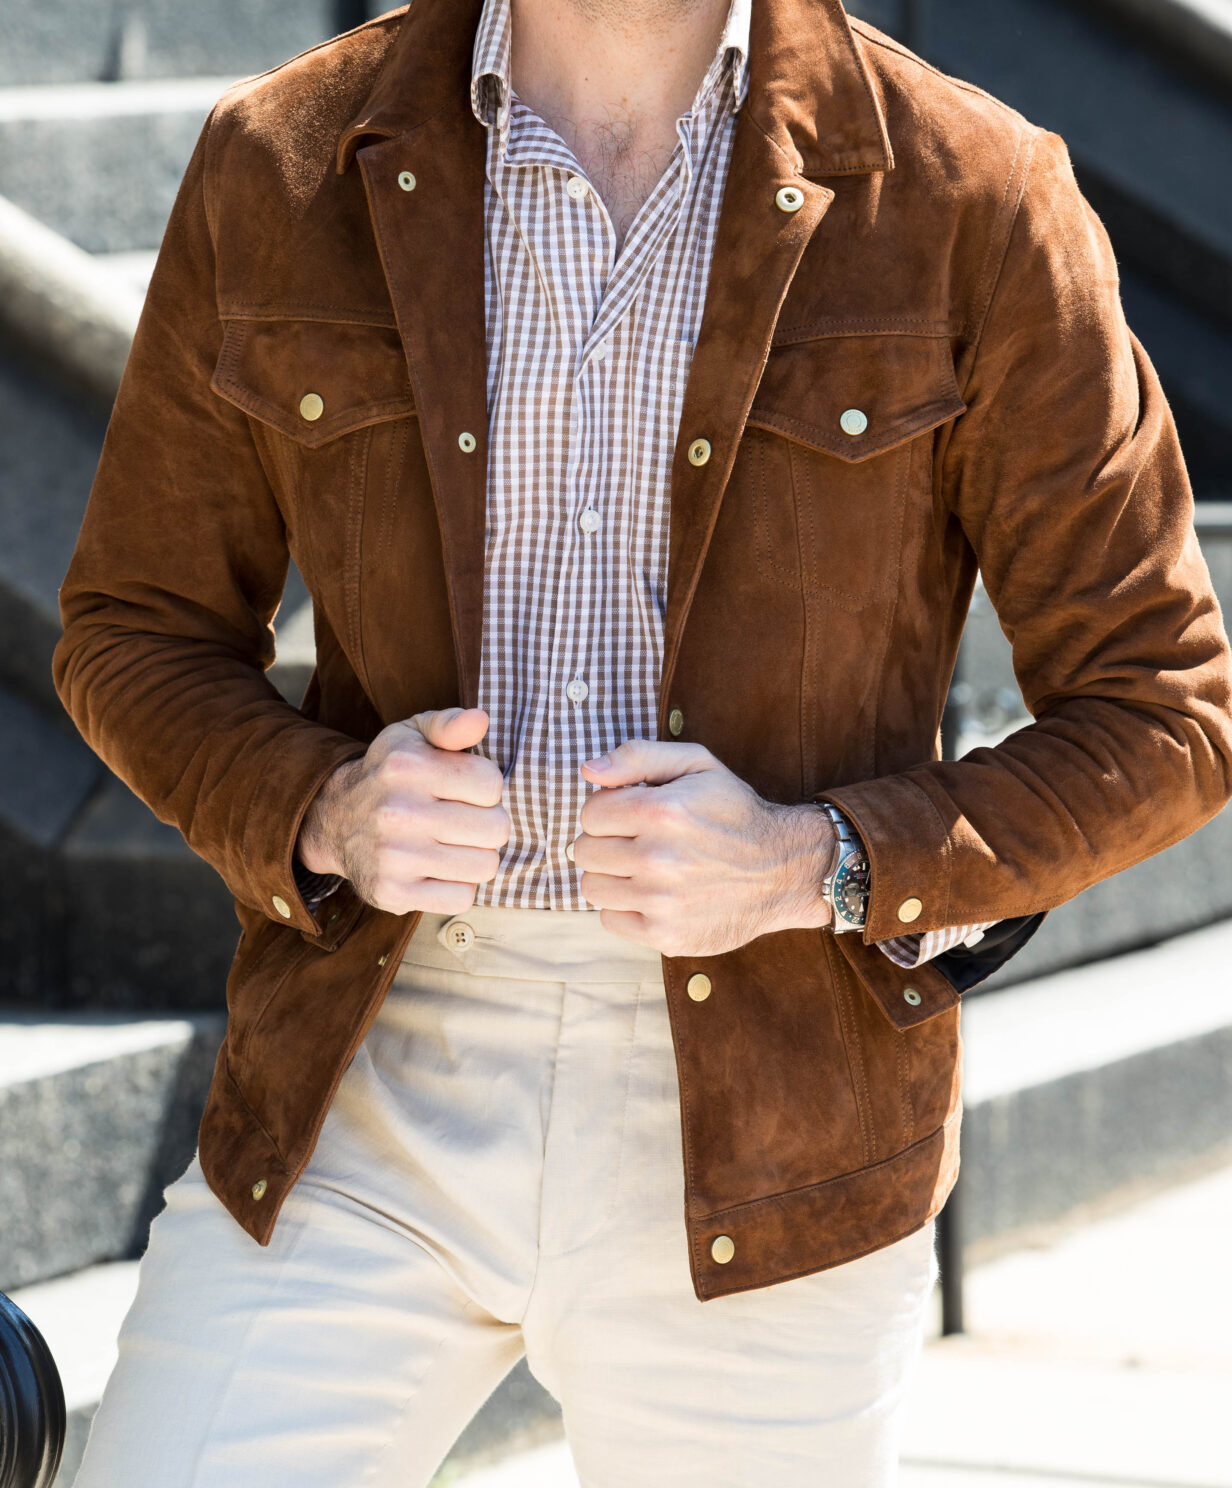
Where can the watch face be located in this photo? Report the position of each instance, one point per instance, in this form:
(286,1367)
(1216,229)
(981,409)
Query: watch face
(851,889)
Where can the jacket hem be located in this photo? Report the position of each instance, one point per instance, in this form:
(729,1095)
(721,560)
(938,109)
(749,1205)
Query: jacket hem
(783,1236)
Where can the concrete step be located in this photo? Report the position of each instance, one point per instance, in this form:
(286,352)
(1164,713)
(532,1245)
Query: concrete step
(58,41)
(101,162)
(98,1113)
(1082,1084)
(104,905)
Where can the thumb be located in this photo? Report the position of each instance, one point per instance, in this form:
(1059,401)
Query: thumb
(452,728)
(649,762)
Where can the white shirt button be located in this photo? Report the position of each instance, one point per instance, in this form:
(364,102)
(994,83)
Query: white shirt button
(590,520)
(576,187)
(600,351)
(576,690)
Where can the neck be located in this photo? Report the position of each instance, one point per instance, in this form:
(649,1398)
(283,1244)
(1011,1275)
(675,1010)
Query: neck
(619,72)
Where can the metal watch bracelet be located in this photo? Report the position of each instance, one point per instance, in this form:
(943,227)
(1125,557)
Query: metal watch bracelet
(846,886)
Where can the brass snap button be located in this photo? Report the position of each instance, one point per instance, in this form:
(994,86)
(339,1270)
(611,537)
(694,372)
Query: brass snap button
(910,909)
(698,986)
(853,421)
(912,996)
(258,1188)
(311,407)
(467,443)
(723,1248)
(675,722)
(789,199)
(407,181)
(699,452)
(281,905)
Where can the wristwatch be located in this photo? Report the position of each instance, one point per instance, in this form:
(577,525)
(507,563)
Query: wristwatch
(846,887)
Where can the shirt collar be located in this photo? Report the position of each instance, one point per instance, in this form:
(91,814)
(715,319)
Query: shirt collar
(490,86)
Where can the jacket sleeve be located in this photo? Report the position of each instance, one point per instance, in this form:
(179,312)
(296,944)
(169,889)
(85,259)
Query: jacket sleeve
(1067,477)
(168,603)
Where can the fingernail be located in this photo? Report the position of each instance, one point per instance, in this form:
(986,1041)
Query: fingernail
(602,763)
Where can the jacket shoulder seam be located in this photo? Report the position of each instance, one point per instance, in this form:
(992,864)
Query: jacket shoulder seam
(873,37)
(1025,147)
(376,22)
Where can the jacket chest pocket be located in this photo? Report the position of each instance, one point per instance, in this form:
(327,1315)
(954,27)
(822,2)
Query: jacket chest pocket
(832,457)
(332,406)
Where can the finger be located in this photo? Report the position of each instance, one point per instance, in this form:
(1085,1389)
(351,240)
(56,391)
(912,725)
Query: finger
(434,896)
(465,825)
(470,778)
(650,760)
(474,865)
(628,925)
(632,811)
(452,728)
(615,855)
(605,891)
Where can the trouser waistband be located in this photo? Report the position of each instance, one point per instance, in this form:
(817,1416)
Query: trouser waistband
(553,945)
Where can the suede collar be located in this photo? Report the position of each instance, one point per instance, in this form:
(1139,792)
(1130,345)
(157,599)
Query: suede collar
(809,90)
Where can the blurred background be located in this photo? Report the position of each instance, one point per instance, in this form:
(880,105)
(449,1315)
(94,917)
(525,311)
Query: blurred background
(1086,1335)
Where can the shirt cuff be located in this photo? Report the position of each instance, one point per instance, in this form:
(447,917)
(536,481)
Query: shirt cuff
(914,950)
(314,887)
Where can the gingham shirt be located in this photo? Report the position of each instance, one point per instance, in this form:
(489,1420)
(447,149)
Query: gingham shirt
(588,352)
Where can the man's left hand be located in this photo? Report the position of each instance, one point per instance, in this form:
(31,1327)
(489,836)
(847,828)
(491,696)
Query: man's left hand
(682,855)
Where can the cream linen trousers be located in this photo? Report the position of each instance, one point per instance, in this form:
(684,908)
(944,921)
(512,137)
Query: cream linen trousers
(499,1173)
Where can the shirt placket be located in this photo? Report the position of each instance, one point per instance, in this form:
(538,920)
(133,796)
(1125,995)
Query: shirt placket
(594,297)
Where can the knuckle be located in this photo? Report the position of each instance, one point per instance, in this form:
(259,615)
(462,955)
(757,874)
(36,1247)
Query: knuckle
(388,817)
(398,763)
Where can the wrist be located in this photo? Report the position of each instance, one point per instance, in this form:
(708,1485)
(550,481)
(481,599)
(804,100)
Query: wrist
(811,844)
(317,846)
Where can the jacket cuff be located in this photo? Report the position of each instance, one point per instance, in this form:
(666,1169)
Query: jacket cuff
(307,758)
(908,851)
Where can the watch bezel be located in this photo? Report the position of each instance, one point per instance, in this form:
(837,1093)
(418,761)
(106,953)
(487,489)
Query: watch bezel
(857,858)
(851,852)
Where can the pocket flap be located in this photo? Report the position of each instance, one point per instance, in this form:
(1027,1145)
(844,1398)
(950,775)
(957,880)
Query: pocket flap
(857,396)
(313,380)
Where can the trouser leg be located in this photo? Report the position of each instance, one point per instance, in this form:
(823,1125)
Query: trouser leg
(795,1385)
(339,1355)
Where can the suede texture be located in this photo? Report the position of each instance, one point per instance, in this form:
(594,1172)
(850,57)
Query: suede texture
(945,277)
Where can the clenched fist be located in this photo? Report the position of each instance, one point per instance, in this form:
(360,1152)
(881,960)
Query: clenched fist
(417,823)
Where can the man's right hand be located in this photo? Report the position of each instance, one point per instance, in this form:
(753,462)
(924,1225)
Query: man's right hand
(415,824)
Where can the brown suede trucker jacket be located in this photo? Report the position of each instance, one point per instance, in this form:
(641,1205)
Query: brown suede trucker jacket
(945,277)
